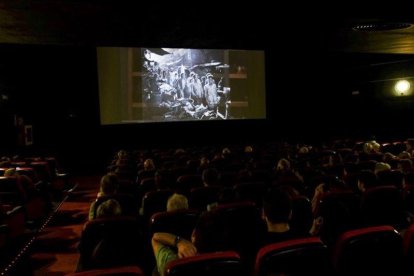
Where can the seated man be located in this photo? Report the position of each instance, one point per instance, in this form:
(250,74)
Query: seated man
(168,247)
(277,211)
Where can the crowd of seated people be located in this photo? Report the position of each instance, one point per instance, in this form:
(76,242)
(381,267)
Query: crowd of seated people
(346,185)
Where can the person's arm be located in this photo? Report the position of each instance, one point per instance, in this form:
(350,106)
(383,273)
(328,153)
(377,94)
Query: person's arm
(184,247)
(319,192)
(91,214)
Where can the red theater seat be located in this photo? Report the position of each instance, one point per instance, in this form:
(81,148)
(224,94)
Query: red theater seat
(110,242)
(369,251)
(308,256)
(181,223)
(124,270)
(217,263)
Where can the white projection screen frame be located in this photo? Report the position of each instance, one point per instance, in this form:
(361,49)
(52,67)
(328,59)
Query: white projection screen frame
(145,85)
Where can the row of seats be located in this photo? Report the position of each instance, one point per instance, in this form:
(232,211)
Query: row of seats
(368,251)
(29,196)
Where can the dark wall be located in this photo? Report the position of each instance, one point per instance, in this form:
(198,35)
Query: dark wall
(55,89)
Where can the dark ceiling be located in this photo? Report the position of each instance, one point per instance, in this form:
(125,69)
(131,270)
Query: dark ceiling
(292,27)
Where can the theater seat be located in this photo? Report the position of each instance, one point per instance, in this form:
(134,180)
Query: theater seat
(180,222)
(154,202)
(409,242)
(217,263)
(369,251)
(124,270)
(383,205)
(307,256)
(111,242)
(201,197)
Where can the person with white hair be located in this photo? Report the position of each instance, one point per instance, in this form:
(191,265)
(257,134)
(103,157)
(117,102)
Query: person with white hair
(177,202)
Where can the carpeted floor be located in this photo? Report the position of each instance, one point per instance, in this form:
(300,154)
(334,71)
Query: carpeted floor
(55,249)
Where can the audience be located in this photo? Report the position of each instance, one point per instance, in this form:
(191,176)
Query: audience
(277,201)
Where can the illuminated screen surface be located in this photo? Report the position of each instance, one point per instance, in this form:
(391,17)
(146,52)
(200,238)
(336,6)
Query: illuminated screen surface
(143,85)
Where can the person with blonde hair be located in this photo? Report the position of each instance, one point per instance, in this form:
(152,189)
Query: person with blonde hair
(381,166)
(177,202)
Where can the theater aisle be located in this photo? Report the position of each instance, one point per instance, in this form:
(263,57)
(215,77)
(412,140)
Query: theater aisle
(55,250)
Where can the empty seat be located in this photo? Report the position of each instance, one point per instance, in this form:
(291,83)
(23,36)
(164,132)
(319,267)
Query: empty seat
(307,256)
(207,264)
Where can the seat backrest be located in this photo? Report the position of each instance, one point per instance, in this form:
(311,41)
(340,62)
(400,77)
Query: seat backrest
(123,270)
(340,212)
(371,250)
(180,222)
(207,264)
(306,256)
(154,202)
(409,242)
(11,192)
(109,242)
(200,197)
(42,170)
(238,227)
(29,172)
(382,205)
(409,249)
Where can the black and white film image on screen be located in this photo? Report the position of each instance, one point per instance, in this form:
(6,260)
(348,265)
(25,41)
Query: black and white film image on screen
(185,84)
